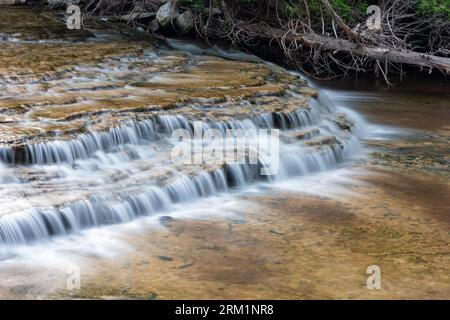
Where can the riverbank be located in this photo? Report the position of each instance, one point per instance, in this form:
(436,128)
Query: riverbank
(322,38)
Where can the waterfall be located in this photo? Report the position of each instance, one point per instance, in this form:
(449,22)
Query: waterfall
(105,209)
(136,132)
(61,184)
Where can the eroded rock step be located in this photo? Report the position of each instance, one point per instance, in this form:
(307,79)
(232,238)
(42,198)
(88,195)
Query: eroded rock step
(85,127)
(68,113)
(49,188)
(143,130)
(154,192)
(124,83)
(75,105)
(137,164)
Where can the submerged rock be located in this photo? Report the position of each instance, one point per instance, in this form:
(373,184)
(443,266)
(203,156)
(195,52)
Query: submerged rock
(343,124)
(166,220)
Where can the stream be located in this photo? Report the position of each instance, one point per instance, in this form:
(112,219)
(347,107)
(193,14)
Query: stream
(87,170)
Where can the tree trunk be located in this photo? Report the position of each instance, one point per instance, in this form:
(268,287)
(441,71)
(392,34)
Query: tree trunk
(376,53)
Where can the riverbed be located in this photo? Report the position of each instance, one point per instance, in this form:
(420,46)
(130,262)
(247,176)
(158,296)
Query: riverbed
(94,207)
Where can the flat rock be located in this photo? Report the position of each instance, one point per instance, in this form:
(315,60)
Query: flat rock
(20,23)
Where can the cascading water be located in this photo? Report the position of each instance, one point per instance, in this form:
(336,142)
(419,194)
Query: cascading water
(111,208)
(94,177)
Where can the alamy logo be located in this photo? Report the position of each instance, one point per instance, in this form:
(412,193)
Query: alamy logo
(374,280)
(73,281)
(233,146)
(74,19)
(374,21)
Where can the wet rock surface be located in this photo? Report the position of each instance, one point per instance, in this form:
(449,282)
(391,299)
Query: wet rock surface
(20,23)
(54,89)
(85,129)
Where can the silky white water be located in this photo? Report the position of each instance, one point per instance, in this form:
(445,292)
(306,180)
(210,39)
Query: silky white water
(57,191)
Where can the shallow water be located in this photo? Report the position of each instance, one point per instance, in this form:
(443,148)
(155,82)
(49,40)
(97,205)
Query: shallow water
(416,103)
(86,132)
(87,172)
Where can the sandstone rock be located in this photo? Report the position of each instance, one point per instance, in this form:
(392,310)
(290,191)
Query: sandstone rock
(309,92)
(326,140)
(306,134)
(343,124)
(167,13)
(185,22)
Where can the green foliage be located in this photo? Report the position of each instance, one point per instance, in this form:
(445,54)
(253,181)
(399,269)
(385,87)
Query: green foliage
(349,10)
(434,6)
(194,3)
(203,3)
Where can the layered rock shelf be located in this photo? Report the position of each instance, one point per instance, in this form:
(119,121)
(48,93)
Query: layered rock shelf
(86,125)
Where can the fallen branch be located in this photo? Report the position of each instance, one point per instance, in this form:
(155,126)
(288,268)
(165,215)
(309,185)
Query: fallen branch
(135,16)
(351,35)
(402,56)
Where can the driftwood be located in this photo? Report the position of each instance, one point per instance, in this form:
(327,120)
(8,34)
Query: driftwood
(135,16)
(311,48)
(377,53)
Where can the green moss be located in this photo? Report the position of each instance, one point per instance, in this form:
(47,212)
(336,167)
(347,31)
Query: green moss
(194,3)
(349,10)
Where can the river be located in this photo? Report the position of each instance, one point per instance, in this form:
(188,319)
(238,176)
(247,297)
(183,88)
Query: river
(94,205)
